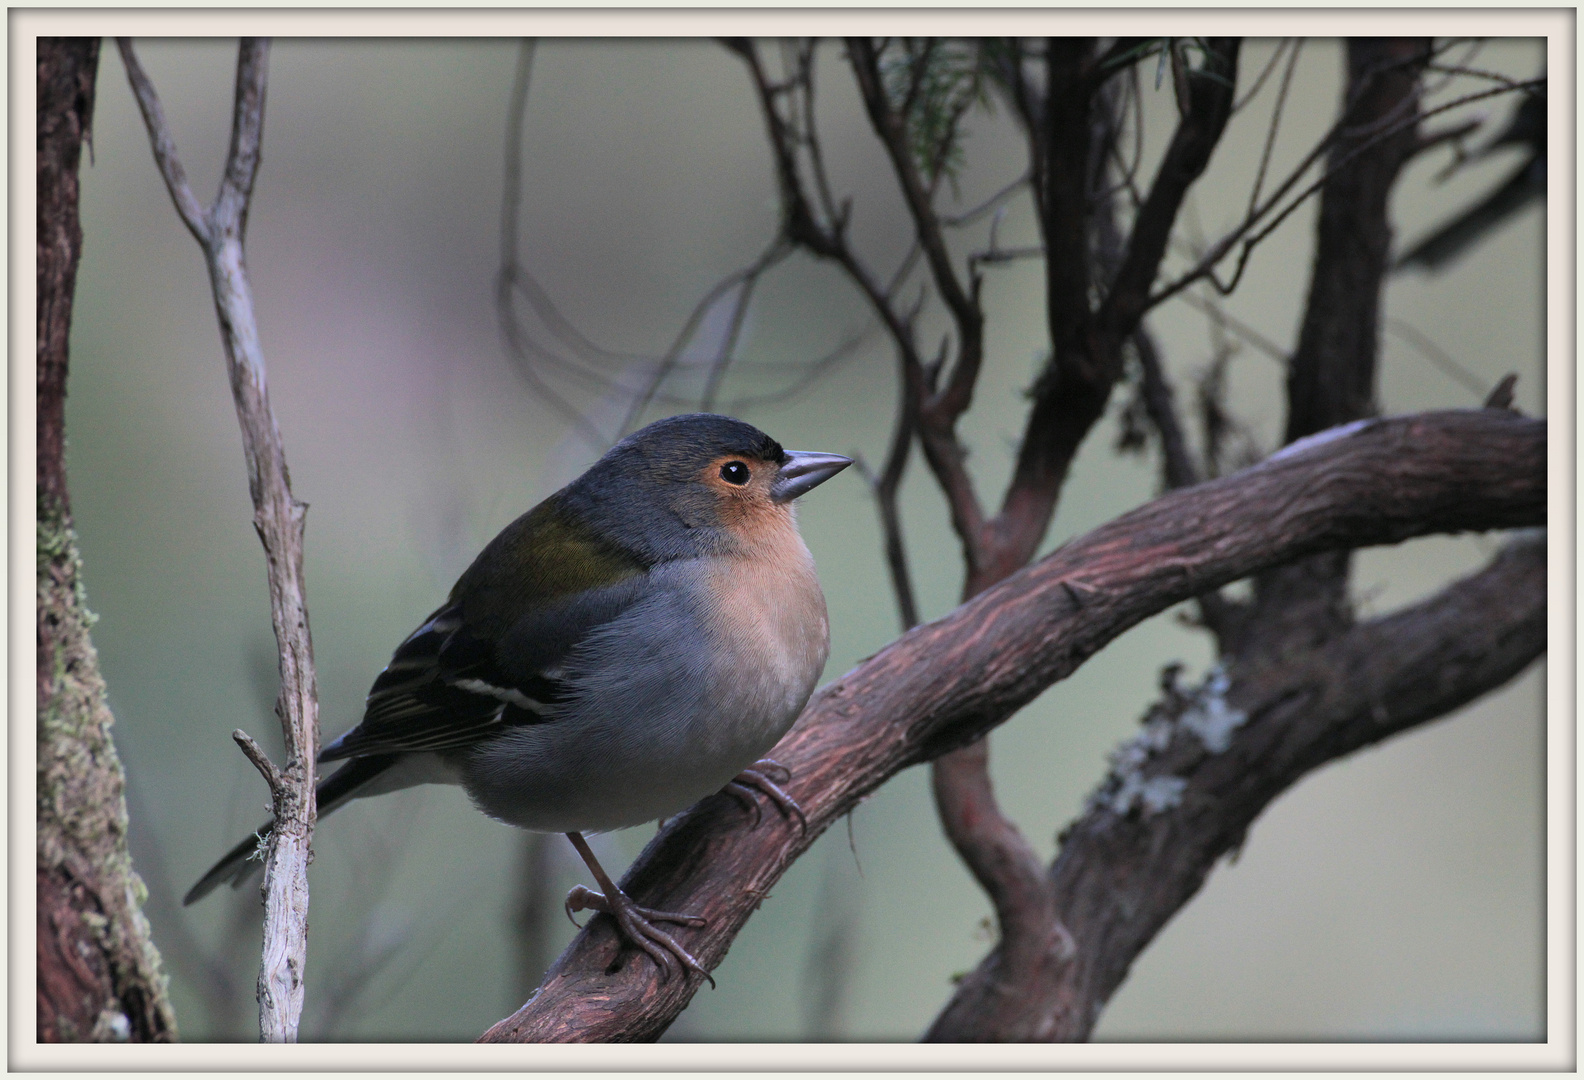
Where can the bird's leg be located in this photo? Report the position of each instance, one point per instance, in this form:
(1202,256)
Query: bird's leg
(766,777)
(635,923)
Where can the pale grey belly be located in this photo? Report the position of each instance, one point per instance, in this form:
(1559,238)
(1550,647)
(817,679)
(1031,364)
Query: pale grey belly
(656,722)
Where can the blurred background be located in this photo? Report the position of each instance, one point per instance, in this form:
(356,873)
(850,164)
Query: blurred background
(1397,894)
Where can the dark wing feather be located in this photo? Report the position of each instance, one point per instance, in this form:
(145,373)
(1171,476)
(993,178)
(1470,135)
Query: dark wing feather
(491,656)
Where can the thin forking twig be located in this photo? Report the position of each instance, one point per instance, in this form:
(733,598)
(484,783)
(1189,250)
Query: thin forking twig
(277,516)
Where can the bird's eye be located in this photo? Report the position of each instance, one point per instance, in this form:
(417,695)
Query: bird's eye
(734,472)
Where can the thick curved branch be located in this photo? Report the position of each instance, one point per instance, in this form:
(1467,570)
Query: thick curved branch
(277,516)
(1184,793)
(947,683)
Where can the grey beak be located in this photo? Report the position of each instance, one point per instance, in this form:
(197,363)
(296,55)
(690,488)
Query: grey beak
(805,471)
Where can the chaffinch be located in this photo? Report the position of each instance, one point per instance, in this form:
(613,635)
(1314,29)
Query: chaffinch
(630,645)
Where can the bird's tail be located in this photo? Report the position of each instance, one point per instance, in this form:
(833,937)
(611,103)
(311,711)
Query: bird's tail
(333,792)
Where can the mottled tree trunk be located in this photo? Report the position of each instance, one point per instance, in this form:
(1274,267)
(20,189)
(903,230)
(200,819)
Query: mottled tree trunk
(99,975)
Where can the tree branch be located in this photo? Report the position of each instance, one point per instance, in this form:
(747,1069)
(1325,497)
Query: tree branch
(98,975)
(886,487)
(1072,392)
(963,304)
(947,683)
(1331,376)
(829,241)
(277,516)
(1209,105)
(188,207)
(1185,791)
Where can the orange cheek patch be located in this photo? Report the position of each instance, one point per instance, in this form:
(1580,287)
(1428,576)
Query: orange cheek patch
(747,509)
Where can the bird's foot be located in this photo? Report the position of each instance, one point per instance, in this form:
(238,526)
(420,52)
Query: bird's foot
(766,777)
(637,925)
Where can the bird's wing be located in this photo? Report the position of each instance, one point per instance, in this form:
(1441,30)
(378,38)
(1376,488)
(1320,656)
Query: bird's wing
(492,655)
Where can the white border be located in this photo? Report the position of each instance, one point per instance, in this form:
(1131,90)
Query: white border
(1558,24)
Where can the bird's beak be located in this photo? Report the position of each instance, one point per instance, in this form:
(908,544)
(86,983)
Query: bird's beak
(805,471)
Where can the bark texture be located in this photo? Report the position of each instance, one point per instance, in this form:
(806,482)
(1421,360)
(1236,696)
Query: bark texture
(946,683)
(1185,791)
(99,975)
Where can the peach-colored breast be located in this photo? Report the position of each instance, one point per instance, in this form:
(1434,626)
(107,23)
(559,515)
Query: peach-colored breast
(769,618)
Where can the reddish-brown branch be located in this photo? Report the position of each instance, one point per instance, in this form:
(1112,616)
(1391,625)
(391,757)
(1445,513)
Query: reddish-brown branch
(947,683)
(1132,860)
(1032,945)
(1300,606)
(98,976)
(1086,356)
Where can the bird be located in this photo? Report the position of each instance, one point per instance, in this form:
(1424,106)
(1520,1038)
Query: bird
(637,641)
(1525,184)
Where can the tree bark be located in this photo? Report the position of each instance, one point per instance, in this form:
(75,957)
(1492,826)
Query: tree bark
(1294,653)
(99,975)
(1184,792)
(946,683)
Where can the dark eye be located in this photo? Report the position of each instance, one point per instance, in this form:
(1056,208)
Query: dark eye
(734,472)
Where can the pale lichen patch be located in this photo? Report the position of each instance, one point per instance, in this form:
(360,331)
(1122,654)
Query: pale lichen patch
(1209,716)
(1202,711)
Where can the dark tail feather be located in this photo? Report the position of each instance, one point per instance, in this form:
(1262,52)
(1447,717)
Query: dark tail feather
(334,791)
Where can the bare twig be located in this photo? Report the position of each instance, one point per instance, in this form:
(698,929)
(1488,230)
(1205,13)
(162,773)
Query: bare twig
(1221,317)
(1275,123)
(1176,464)
(1424,346)
(1265,72)
(255,753)
(886,487)
(962,302)
(277,516)
(1249,233)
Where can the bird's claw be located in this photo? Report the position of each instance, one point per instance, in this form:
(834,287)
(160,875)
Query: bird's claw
(765,777)
(636,924)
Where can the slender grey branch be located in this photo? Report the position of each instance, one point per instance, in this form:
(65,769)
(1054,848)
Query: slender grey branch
(277,516)
(1438,356)
(164,145)
(969,216)
(1230,322)
(744,278)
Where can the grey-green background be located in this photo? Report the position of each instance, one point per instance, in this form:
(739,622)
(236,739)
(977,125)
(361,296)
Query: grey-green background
(1398,894)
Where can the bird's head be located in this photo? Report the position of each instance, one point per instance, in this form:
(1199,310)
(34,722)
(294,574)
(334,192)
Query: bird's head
(695,484)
